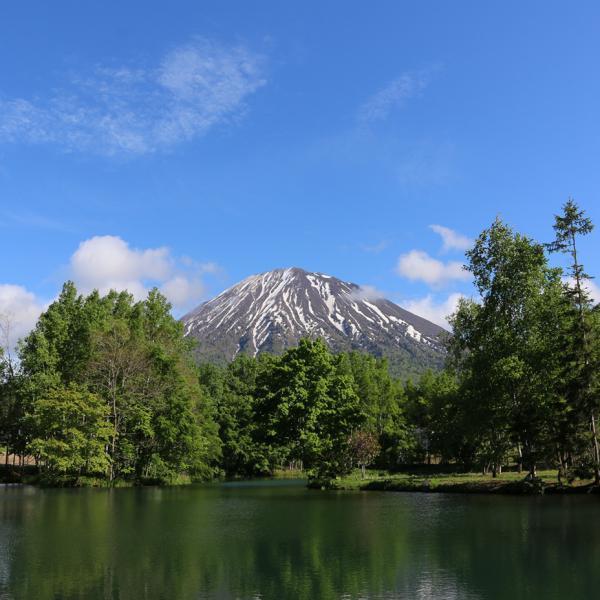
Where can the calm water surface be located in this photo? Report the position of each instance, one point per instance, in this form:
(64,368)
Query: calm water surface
(277,540)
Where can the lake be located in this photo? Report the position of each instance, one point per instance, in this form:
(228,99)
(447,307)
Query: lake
(277,540)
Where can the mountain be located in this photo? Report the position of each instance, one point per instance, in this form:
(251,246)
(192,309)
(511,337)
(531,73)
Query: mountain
(272,311)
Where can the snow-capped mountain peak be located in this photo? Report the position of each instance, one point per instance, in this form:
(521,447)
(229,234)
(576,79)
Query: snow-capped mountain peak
(273,310)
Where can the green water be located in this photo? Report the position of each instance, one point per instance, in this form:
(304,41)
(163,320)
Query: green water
(279,540)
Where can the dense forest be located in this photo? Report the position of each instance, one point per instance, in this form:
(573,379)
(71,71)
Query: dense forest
(105,389)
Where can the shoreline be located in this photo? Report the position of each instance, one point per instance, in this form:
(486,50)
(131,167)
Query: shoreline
(429,482)
(469,483)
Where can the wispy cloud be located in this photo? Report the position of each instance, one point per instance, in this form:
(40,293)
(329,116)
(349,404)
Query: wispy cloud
(132,111)
(376,248)
(393,95)
(417,265)
(32,220)
(427,163)
(452,240)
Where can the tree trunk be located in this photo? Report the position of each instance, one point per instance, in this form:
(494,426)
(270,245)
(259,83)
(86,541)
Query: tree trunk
(362,471)
(520,451)
(113,444)
(561,466)
(596,450)
(533,471)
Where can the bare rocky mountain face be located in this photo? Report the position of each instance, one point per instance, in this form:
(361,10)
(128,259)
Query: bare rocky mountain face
(273,311)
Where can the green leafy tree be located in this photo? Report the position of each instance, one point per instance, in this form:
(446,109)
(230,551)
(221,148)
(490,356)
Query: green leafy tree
(499,344)
(383,401)
(133,356)
(70,432)
(307,409)
(232,390)
(435,410)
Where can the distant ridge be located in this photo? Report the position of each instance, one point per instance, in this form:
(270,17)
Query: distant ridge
(273,311)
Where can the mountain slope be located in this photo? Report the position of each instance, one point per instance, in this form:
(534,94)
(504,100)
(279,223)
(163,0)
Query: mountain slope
(272,311)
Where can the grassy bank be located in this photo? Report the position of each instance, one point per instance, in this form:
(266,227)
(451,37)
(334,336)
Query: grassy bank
(30,475)
(466,483)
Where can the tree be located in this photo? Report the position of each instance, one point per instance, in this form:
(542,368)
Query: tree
(13,428)
(70,432)
(117,371)
(580,379)
(307,409)
(383,400)
(437,414)
(499,344)
(134,358)
(232,389)
(364,449)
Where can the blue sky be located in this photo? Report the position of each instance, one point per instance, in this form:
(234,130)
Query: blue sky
(191,144)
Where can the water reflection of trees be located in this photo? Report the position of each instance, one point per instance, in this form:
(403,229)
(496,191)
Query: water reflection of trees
(256,543)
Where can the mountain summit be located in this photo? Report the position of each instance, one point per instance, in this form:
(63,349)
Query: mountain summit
(272,311)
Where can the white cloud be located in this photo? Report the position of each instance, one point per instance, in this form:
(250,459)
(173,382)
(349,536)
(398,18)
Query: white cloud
(452,240)
(435,311)
(108,263)
(417,265)
(180,290)
(132,111)
(594,291)
(366,292)
(19,311)
(379,106)
(591,286)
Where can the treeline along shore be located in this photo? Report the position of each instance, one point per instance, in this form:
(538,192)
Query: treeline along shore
(104,391)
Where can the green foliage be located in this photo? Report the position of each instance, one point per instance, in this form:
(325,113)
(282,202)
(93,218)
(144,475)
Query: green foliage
(502,346)
(580,349)
(232,390)
(308,409)
(71,431)
(299,410)
(131,359)
(526,354)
